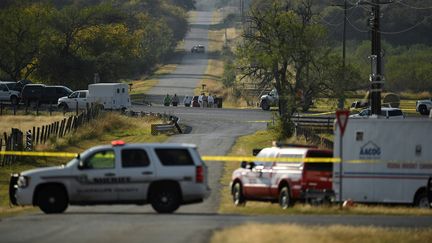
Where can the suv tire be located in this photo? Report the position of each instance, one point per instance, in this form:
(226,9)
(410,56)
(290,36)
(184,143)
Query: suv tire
(423,110)
(237,195)
(52,199)
(165,199)
(285,200)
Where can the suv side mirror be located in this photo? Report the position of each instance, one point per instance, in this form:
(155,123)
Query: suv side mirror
(81,165)
(243,164)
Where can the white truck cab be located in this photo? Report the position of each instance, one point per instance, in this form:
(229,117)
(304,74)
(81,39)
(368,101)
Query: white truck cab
(77,98)
(164,175)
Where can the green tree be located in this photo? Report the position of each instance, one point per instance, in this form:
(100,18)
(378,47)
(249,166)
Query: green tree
(279,44)
(22,33)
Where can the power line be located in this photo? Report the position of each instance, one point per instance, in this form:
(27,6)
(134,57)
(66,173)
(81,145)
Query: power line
(407,29)
(356,28)
(412,7)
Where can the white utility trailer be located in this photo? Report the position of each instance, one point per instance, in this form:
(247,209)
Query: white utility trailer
(385,161)
(111,95)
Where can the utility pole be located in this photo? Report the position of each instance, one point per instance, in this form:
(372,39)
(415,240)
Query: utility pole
(376,76)
(342,99)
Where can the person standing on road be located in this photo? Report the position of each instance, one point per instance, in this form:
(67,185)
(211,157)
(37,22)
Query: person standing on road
(204,100)
(200,99)
(187,101)
(175,100)
(210,101)
(167,100)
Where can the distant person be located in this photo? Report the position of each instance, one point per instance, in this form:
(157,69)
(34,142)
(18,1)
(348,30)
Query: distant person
(167,100)
(210,101)
(187,101)
(175,100)
(195,102)
(204,100)
(200,99)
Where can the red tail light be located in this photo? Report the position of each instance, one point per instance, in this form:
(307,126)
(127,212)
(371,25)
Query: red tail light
(199,176)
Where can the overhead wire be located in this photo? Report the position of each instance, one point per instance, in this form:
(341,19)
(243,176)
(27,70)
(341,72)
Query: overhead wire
(412,7)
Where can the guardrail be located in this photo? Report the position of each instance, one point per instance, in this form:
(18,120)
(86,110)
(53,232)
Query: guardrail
(171,126)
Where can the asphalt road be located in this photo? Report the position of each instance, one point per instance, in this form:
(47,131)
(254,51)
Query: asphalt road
(214,131)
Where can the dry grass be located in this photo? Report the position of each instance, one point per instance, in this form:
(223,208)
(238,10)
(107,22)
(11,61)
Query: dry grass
(26,122)
(262,233)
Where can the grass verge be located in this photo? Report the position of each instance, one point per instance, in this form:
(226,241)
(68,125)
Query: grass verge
(262,233)
(110,126)
(26,122)
(264,138)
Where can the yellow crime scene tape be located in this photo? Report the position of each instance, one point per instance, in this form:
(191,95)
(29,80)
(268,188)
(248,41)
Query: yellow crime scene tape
(205,158)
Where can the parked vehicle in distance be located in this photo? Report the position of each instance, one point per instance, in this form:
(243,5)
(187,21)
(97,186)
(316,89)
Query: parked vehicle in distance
(284,182)
(113,96)
(424,106)
(359,104)
(43,94)
(198,49)
(268,100)
(164,175)
(77,98)
(9,92)
(387,112)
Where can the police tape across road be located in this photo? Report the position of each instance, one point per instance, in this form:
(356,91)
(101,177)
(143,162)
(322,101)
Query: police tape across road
(205,157)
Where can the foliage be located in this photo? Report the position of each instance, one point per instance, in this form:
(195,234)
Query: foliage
(69,41)
(21,35)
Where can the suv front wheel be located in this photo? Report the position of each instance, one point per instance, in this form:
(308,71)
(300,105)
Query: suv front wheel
(423,110)
(52,199)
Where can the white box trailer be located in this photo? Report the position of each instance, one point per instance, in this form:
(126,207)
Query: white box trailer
(385,161)
(111,95)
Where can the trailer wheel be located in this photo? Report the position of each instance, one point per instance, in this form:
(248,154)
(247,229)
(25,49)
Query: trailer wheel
(421,200)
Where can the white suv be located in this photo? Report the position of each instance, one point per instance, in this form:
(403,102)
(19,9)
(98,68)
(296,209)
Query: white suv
(9,92)
(164,175)
(387,112)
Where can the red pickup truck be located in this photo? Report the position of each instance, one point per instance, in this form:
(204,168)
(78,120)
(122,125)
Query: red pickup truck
(284,182)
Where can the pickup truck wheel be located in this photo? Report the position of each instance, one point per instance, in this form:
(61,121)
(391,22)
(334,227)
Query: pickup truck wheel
(265,105)
(237,195)
(63,107)
(285,200)
(52,199)
(422,200)
(423,110)
(165,199)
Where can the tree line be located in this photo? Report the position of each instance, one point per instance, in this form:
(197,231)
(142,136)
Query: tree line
(69,41)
